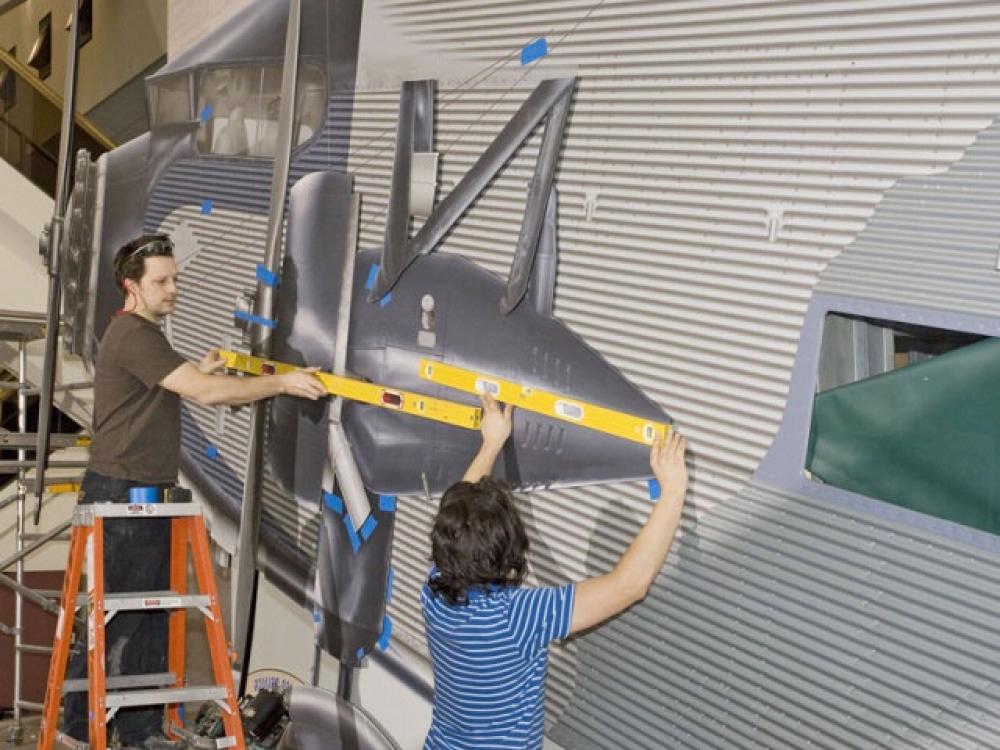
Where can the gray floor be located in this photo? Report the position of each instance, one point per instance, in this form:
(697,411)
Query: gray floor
(199,670)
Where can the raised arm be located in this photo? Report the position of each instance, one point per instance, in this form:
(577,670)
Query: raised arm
(197,383)
(603,596)
(496,427)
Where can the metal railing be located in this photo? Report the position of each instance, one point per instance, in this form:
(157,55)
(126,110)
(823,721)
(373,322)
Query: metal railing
(30,120)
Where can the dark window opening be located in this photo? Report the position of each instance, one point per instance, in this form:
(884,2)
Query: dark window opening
(8,84)
(86,21)
(40,57)
(909,415)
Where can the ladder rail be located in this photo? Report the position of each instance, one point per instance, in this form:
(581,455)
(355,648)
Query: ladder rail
(97,686)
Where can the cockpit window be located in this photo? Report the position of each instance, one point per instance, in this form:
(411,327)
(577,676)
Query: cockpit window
(908,414)
(239,109)
(170,100)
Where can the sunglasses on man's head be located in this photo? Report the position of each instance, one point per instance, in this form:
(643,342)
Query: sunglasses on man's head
(158,246)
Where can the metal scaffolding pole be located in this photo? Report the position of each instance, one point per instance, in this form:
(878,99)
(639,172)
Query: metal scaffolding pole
(22,426)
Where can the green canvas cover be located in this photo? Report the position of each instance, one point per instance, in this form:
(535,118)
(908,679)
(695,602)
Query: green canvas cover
(924,437)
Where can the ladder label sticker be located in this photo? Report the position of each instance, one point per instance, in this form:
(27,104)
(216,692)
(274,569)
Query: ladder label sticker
(167,603)
(228,741)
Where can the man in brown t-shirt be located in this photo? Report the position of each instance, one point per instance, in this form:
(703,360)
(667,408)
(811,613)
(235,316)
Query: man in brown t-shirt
(139,381)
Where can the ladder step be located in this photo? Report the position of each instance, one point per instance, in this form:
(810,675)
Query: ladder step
(84,514)
(136,600)
(154,600)
(119,682)
(164,696)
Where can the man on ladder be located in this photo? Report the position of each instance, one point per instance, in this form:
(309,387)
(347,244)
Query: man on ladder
(138,383)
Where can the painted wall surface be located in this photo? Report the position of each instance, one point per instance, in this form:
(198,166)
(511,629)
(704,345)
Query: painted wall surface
(718,155)
(189,20)
(129,35)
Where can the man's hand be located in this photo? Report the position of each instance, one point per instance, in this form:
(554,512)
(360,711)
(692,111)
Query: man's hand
(212,362)
(666,459)
(496,424)
(303,383)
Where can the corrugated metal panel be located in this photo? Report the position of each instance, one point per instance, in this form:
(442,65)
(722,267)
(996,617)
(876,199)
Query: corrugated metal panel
(718,155)
(786,624)
(933,240)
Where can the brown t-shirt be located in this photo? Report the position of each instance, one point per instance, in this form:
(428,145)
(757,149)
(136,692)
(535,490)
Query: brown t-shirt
(137,424)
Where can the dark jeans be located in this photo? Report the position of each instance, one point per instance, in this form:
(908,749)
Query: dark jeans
(136,558)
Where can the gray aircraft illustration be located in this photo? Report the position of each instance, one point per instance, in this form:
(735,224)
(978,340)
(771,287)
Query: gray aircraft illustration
(373,314)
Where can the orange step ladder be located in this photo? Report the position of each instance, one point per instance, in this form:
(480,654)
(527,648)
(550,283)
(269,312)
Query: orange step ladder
(108,694)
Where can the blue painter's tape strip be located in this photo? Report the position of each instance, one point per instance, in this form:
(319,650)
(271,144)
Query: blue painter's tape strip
(372,275)
(352,535)
(244,315)
(654,489)
(368,527)
(383,639)
(533,51)
(206,113)
(387,503)
(385,300)
(360,653)
(333,502)
(143,495)
(317,617)
(212,452)
(389,579)
(207,205)
(268,277)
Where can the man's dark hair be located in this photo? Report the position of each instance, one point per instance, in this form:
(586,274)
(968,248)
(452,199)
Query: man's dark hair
(478,540)
(130,260)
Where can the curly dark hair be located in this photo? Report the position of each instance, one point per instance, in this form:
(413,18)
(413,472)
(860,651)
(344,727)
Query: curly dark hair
(478,539)
(130,260)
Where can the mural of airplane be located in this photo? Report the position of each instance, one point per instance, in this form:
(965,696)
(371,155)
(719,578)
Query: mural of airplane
(374,314)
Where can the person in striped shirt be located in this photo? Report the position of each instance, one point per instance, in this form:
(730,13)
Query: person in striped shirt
(489,635)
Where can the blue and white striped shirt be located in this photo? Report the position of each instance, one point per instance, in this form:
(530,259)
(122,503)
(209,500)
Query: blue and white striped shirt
(490,658)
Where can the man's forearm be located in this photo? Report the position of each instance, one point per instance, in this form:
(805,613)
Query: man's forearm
(231,390)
